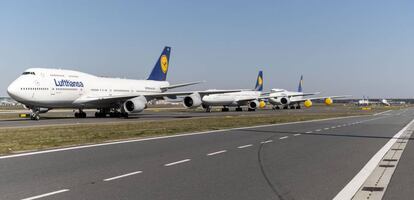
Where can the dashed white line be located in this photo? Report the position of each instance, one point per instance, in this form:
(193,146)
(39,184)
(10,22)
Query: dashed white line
(122,176)
(244,146)
(217,152)
(47,194)
(300,134)
(282,138)
(333,127)
(176,163)
(267,141)
(307,132)
(339,126)
(317,130)
(326,129)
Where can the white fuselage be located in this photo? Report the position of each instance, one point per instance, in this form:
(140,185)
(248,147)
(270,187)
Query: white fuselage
(277,94)
(230,99)
(55,88)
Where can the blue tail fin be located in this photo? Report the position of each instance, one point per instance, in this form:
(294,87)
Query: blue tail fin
(159,73)
(259,83)
(300,84)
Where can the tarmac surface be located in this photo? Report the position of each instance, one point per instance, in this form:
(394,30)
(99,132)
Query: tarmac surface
(306,160)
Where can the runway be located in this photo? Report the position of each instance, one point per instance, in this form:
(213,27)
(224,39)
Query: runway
(307,160)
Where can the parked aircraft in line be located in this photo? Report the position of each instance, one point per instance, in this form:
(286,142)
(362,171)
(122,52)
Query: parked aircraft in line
(253,99)
(41,90)
(290,99)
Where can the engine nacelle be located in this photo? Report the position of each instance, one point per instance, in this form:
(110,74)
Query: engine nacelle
(135,105)
(328,101)
(308,103)
(279,100)
(285,101)
(254,104)
(192,101)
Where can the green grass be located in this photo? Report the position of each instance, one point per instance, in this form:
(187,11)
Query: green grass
(27,139)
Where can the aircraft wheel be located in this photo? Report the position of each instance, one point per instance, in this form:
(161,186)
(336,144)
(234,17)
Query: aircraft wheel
(239,109)
(225,109)
(298,107)
(35,116)
(251,110)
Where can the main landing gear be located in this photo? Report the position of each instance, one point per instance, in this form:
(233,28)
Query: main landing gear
(225,109)
(276,108)
(80,114)
(239,109)
(103,113)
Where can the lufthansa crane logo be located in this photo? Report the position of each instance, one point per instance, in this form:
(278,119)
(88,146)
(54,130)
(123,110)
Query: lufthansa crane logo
(260,80)
(164,64)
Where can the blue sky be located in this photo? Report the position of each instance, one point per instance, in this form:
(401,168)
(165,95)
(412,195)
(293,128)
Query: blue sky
(341,47)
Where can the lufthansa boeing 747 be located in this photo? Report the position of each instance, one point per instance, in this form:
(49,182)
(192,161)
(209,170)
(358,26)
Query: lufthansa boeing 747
(41,90)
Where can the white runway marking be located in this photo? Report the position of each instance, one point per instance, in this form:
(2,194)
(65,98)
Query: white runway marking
(282,138)
(326,129)
(122,176)
(333,127)
(245,146)
(165,137)
(300,134)
(46,195)
(268,141)
(355,184)
(176,163)
(317,130)
(215,153)
(308,132)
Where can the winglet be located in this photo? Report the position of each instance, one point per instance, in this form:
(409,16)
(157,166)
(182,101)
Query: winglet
(159,73)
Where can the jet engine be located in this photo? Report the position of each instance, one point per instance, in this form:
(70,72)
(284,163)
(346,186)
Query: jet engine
(192,101)
(328,101)
(308,103)
(284,100)
(280,100)
(254,104)
(135,105)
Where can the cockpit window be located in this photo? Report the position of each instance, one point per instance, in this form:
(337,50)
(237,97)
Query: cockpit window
(28,73)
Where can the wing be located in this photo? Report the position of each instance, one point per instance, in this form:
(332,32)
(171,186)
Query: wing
(320,98)
(181,85)
(101,100)
(247,99)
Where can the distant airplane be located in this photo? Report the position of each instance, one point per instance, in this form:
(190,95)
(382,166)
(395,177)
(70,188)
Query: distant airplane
(289,99)
(41,89)
(367,102)
(252,99)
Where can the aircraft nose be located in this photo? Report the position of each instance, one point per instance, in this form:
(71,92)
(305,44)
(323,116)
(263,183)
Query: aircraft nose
(12,90)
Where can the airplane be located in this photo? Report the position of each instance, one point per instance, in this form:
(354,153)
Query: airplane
(367,102)
(289,99)
(42,89)
(253,99)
